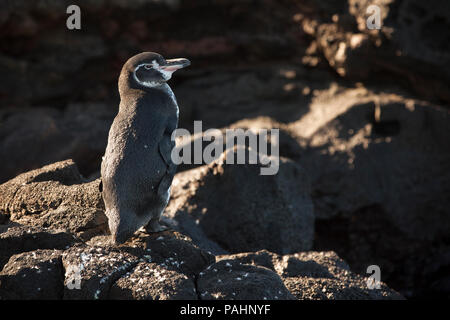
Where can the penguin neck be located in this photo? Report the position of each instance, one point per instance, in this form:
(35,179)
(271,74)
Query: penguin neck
(128,86)
(127,82)
(167,90)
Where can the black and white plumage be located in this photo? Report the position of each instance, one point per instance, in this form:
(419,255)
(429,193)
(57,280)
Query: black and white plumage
(136,170)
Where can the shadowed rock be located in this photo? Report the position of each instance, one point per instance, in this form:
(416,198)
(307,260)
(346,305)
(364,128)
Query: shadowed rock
(409,45)
(15,239)
(33,137)
(33,275)
(229,279)
(150,281)
(315,275)
(241,210)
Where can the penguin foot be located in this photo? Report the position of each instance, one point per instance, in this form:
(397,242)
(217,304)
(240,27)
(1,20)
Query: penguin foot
(154,226)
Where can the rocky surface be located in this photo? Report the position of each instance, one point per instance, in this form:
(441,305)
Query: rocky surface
(364,130)
(230,279)
(55,197)
(379,185)
(37,274)
(19,238)
(42,263)
(314,275)
(411,45)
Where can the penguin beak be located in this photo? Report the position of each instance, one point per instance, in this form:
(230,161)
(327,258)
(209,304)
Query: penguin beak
(175,64)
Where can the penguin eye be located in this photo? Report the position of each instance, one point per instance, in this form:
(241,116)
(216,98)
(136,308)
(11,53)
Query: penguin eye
(148,66)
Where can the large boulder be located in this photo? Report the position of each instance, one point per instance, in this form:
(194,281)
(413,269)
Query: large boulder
(259,211)
(378,164)
(232,280)
(365,149)
(33,275)
(55,197)
(90,271)
(171,250)
(15,239)
(150,281)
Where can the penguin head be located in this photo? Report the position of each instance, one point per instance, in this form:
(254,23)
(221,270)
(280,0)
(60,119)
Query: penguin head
(150,69)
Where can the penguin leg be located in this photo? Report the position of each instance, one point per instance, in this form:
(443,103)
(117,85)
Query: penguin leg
(154,224)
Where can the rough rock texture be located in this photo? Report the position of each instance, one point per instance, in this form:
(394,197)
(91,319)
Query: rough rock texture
(55,197)
(33,275)
(97,268)
(149,281)
(16,238)
(379,182)
(228,280)
(173,250)
(323,275)
(411,44)
(260,211)
(372,161)
(315,275)
(155,267)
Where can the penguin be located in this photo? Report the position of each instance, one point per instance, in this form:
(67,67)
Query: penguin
(137,170)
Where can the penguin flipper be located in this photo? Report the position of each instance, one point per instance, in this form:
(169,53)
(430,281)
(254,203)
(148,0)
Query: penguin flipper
(165,150)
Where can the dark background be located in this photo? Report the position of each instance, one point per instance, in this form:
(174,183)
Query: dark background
(270,61)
